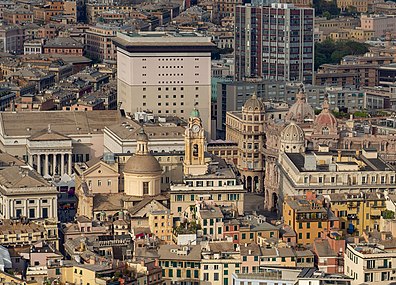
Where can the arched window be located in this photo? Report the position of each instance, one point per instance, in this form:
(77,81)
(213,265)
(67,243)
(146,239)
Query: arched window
(325,131)
(195,150)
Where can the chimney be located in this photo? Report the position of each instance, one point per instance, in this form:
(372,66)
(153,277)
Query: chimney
(250,251)
(383,235)
(339,156)
(357,153)
(310,196)
(356,240)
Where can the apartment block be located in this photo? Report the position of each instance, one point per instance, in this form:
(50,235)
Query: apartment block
(369,263)
(307,216)
(274,42)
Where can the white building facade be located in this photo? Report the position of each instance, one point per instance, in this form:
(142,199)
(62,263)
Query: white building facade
(166,73)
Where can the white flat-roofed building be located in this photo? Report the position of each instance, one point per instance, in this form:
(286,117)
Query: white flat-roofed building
(167,73)
(165,136)
(327,171)
(369,263)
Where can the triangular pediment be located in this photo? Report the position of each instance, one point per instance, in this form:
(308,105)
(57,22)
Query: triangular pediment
(48,135)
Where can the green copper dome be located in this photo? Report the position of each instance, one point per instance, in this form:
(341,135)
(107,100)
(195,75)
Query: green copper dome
(195,113)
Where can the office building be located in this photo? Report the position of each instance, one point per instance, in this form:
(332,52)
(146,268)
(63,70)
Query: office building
(166,73)
(274,42)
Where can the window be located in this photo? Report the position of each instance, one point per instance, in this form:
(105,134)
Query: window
(145,188)
(216,277)
(178,273)
(45,213)
(32,213)
(206,277)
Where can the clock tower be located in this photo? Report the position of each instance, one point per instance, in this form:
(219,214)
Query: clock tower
(194,141)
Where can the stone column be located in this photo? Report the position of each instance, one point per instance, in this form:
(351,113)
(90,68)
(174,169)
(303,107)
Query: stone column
(30,159)
(38,208)
(62,164)
(39,163)
(69,162)
(55,162)
(46,164)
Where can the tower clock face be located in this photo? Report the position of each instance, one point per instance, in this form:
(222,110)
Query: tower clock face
(195,128)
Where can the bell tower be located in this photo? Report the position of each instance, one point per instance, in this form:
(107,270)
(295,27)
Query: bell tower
(194,141)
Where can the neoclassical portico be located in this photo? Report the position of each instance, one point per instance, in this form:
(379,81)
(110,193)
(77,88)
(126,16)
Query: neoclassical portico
(50,153)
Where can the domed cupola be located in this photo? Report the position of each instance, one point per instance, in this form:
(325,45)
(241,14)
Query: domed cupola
(325,123)
(300,111)
(253,104)
(292,139)
(142,172)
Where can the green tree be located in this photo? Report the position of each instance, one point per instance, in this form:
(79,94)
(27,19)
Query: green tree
(327,15)
(387,214)
(332,52)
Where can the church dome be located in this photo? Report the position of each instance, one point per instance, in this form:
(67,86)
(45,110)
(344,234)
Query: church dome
(253,104)
(292,133)
(142,164)
(325,122)
(300,110)
(142,161)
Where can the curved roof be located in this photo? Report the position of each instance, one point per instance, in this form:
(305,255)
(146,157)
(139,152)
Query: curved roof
(300,110)
(195,113)
(293,133)
(142,164)
(325,118)
(253,104)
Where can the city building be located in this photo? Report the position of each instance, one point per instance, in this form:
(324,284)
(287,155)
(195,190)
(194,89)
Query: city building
(63,45)
(154,73)
(354,5)
(16,233)
(180,263)
(205,177)
(379,24)
(78,135)
(369,263)
(354,71)
(11,39)
(272,42)
(99,43)
(165,134)
(358,212)
(307,216)
(24,193)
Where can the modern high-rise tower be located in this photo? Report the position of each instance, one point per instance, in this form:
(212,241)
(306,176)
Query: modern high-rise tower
(274,42)
(165,73)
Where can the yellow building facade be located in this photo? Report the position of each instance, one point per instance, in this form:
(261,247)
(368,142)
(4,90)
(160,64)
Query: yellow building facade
(306,216)
(161,224)
(361,210)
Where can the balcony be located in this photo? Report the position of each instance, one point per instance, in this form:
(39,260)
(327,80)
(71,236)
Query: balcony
(352,217)
(375,217)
